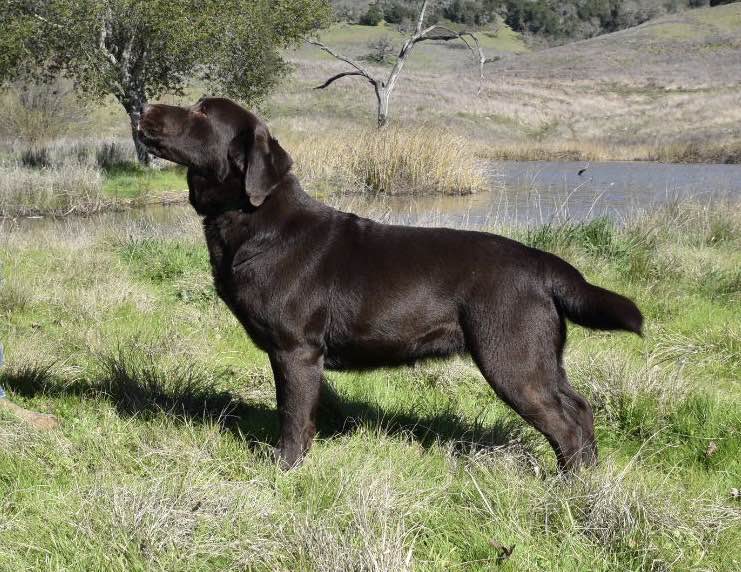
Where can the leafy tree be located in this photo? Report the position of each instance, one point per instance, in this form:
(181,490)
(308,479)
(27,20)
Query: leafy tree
(470,12)
(137,50)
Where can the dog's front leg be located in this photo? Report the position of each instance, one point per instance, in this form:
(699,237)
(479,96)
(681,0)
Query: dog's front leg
(298,379)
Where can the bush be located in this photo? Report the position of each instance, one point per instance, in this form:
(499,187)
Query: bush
(470,12)
(397,12)
(380,50)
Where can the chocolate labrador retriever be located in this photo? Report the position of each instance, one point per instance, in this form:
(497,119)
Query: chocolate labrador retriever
(318,288)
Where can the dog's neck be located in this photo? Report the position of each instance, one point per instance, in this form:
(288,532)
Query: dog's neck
(241,223)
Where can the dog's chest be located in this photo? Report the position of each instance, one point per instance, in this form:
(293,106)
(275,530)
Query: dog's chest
(239,285)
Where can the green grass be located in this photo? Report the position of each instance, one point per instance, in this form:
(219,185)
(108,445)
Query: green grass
(132,181)
(163,459)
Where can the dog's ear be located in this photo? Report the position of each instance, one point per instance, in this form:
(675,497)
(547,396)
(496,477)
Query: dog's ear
(262,161)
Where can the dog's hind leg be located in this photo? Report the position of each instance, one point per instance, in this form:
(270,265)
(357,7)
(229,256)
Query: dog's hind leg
(581,412)
(533,395)
(522,364)
(298,381)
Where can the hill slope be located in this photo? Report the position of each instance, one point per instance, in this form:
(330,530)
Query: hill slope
(694,49)
(668,89)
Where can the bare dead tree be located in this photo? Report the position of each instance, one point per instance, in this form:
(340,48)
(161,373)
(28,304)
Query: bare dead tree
(383,88)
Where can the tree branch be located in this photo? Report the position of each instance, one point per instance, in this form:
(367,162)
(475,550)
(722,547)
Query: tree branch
(107,54)
(446,34)
(341,75)
(384,89)
(360,69)
(421,19)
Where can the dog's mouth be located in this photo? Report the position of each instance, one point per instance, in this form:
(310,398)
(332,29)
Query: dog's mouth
(148,137)
(144,131)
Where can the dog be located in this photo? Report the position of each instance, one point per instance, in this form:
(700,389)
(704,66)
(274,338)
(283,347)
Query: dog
(317,288)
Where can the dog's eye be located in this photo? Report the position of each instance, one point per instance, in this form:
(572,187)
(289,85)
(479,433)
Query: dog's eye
(199,107)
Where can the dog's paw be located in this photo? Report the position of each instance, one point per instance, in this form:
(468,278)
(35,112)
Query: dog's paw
(287,457)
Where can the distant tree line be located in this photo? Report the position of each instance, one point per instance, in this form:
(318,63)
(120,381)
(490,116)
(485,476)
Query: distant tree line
(570,19)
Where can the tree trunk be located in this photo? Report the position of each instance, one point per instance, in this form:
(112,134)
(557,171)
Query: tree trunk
(133,103)
(383,96)
(141,151)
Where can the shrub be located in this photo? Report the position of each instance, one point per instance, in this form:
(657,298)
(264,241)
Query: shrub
(396,12)
(36,113)
(380,50)
(470,12)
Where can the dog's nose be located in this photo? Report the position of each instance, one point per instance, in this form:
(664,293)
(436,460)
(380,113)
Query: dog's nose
(140,114)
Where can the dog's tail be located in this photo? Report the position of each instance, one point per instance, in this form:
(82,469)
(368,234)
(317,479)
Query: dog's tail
(592,306)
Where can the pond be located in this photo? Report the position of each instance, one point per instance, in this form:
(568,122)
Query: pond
(541,192)
(527,193)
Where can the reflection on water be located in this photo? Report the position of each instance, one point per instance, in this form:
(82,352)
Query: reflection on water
(521,193)
(542,192)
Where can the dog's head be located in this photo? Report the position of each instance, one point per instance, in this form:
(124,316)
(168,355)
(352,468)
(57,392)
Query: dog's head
(220,143)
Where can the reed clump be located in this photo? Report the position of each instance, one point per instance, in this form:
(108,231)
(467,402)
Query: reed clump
(423,160)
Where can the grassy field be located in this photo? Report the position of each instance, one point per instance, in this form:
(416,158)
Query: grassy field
(163,459)
(84,176)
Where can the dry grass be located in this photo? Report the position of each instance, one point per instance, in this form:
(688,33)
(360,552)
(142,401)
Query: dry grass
(614,508)
(562,151)
(421,160)
(616,388)
(58,191)
(696,152)
(69,151)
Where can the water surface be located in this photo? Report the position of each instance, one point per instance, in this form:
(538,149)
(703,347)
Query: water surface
(520,193)
(542,192)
